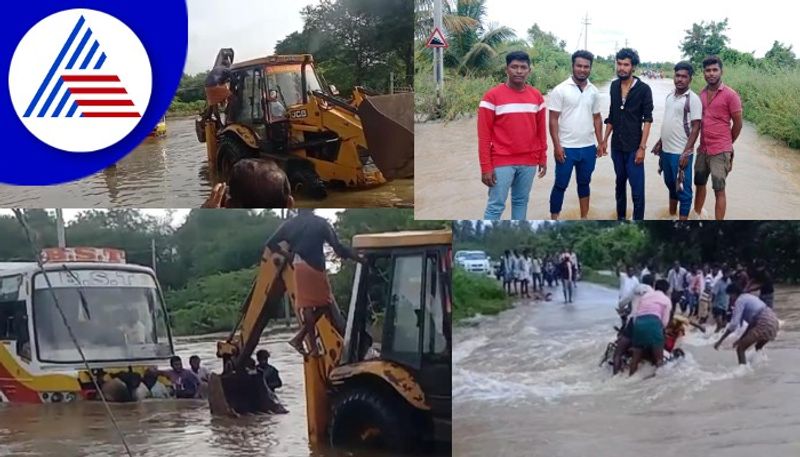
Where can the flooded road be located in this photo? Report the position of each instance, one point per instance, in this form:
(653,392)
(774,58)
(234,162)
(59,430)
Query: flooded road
(762,185)
(527,384)
(171,172)
(178,428)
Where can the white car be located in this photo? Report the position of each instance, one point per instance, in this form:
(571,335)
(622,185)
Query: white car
(473,261)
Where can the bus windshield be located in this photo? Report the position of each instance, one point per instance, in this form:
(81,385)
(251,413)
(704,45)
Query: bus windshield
(115,315)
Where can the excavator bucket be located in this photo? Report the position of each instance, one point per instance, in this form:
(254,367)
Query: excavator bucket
(217,401)
(388,122)
(233,394)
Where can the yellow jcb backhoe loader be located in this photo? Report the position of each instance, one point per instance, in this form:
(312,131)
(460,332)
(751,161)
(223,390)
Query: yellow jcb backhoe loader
(386,381)
(279,109)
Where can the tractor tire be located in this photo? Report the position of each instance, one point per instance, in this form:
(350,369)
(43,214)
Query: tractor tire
(229,151)
(363,417)
(305,180)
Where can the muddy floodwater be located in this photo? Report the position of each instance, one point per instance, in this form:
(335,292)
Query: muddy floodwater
(527,383)
(171,172)
(170,427)
(763,184)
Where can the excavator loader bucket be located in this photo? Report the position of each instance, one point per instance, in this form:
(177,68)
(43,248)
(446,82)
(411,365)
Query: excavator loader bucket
(233,394)
(388,122)
(217,401)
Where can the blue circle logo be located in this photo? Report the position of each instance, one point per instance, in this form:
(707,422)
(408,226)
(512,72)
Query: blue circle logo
(83,80)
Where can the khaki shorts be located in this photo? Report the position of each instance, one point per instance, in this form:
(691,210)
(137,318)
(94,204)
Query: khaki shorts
(717,166)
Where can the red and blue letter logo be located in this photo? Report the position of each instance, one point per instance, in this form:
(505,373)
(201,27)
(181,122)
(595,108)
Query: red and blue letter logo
(82,81)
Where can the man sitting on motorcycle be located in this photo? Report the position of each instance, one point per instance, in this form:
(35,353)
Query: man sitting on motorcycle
(627,307)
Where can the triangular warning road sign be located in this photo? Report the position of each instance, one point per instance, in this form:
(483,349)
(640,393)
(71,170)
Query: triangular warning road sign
(436,39)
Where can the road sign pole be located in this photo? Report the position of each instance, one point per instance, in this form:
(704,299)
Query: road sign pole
(438,56)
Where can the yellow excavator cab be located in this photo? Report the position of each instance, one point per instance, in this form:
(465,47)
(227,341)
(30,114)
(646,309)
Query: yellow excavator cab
(386,380)
(403,239)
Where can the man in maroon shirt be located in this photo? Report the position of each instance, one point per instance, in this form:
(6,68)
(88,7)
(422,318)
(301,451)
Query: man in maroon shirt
(721,105)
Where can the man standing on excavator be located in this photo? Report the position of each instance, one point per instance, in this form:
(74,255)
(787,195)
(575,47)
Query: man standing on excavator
(306,234)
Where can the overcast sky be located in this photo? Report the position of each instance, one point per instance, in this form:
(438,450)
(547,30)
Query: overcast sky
(654,29)
(250,27)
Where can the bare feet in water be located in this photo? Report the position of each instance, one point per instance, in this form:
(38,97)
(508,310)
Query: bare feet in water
(298,347)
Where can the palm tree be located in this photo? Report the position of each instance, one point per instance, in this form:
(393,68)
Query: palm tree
(451,21)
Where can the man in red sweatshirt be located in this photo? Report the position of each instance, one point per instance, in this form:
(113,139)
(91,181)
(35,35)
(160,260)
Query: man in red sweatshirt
(511,139)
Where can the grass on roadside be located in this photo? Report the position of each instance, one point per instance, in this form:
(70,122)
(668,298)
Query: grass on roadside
(463,93)
(477,294)
(589,275)
(770,99)
(178,108)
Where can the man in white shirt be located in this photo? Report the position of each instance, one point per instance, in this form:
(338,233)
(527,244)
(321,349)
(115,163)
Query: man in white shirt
(525,279)
(677,280)
(683,112)
(627,283)
(202,374)
(536,270)
(627,307)
(576,128)
(133,330)
(645,271)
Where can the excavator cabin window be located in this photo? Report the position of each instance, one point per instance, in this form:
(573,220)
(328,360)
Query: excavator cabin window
(247,84)
(399,312)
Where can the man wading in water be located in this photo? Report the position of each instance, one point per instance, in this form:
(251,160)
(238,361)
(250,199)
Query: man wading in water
(575,127)
(631,106)
(762,324)
(679,131)
(721,105)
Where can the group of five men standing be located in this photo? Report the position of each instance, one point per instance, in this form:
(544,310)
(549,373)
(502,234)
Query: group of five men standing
(513,143)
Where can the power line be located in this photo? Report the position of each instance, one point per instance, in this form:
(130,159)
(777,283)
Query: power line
(20,215)
(586,24)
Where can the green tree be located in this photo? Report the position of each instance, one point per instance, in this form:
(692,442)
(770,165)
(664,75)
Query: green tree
(781,55)
(473,49)
(451,20)
(357,42)
(541,39)
(705,39)
(731,57)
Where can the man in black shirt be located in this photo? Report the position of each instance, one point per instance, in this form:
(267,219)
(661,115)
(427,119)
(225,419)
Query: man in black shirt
(269,372)
(306,234)
(631,106)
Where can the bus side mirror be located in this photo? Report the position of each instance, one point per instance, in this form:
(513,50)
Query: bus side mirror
(334,90)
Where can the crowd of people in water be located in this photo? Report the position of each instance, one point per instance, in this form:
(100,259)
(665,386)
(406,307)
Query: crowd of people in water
(178,381)
(658,307)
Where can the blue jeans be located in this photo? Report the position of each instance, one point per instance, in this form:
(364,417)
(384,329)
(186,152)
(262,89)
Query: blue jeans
(628,171)
(583,159)
(670,165)
(518,178)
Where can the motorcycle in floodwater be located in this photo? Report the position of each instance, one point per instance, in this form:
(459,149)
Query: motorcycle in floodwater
(673,333)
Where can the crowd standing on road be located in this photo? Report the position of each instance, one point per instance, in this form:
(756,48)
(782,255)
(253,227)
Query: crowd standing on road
(512,142)
(525,274)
